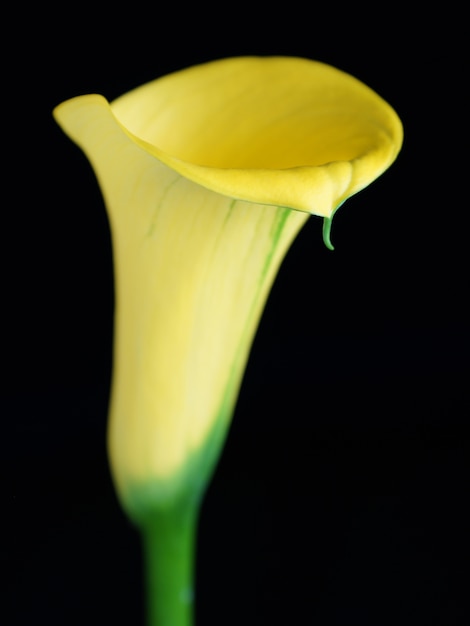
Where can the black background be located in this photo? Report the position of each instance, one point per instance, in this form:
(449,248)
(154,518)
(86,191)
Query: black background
(341,495)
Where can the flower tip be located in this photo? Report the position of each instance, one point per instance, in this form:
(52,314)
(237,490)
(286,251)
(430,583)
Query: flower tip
(327,221)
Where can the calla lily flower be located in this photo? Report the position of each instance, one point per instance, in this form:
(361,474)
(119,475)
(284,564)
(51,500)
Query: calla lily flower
(208,174)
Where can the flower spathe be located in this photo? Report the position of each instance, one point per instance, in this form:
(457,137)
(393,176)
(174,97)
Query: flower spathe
(208,174)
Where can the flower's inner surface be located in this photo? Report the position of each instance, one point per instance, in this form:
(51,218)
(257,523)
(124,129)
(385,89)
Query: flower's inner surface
(256,113)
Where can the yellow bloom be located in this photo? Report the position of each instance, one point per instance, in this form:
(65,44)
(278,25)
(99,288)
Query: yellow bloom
(208,174)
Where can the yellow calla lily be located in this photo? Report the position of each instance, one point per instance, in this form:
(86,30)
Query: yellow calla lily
(200,172)
(208,174)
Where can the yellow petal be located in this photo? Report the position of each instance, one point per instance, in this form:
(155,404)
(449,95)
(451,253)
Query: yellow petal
(275,130)
(197,169)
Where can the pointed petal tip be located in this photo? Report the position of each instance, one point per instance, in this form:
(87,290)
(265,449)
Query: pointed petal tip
(327,221)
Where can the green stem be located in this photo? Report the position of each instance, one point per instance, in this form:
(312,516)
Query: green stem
(169,556)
